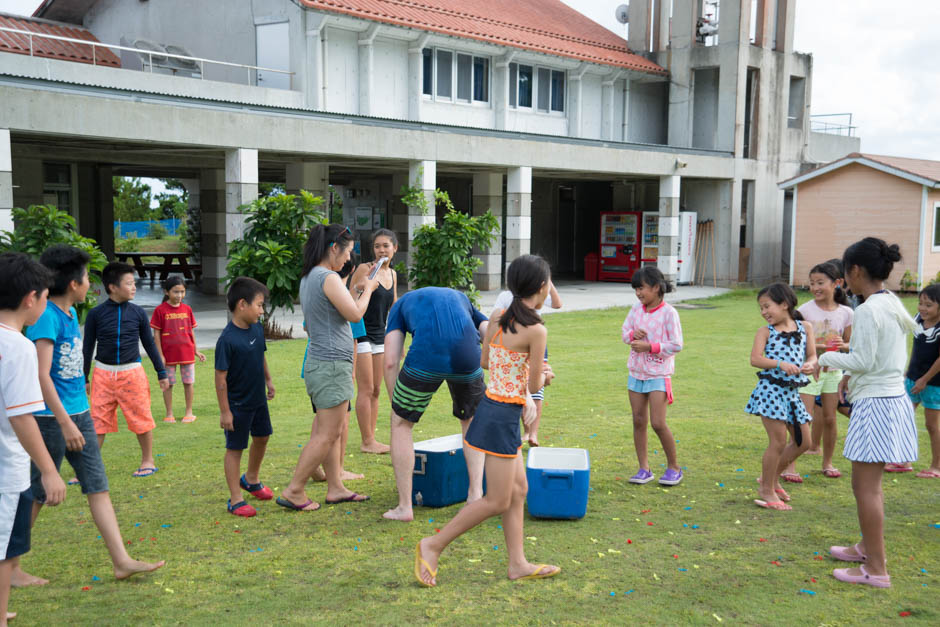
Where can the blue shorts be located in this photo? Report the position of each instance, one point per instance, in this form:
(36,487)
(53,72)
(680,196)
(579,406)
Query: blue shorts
(645,386)
(16,512)
(495,428)
(929,397)
(255,422)
(87,464)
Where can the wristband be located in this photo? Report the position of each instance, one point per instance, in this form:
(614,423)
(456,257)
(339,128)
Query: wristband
(778,363)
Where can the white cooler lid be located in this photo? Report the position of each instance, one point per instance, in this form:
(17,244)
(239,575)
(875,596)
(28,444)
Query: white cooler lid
(559,458)
(440,445)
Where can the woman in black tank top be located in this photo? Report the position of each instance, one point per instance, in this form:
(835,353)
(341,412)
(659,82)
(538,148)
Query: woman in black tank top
(370,358)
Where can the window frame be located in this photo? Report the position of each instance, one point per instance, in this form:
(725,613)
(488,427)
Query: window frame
(455,79)
(934,245)
(535,107)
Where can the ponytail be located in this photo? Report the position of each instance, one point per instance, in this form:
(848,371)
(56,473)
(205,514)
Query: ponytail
(321,237)
(525,277)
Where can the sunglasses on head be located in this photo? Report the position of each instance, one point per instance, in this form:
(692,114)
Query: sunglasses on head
(340,234)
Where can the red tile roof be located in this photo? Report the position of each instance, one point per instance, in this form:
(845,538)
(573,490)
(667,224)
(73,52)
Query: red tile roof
(53,48)
(546,26)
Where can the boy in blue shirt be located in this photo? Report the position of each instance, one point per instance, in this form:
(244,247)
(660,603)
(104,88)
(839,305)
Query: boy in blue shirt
(65,421)
(241,376)
(23,290)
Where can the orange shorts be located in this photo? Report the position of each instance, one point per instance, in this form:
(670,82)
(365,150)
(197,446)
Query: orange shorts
(126,387)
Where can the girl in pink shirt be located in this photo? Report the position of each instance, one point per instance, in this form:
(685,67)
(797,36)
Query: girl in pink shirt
(654,334)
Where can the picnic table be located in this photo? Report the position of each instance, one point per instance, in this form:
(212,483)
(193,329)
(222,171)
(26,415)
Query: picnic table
(172,262)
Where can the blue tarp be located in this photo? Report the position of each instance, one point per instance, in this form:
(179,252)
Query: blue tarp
(141,228)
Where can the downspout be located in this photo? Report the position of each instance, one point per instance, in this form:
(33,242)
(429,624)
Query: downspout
(793,235)
(922,245)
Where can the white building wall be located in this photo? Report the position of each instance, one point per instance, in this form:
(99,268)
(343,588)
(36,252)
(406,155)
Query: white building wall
(591,106)
(342,75)
(390,82)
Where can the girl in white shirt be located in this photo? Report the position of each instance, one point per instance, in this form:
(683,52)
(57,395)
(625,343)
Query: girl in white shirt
(881,428)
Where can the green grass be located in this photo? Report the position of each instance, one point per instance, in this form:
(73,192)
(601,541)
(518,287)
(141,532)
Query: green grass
(344,564)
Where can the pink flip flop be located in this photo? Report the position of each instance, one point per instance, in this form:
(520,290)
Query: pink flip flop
(878,581)
(777,505)
(897,468)
(842,554)
(928,474)
(792,477)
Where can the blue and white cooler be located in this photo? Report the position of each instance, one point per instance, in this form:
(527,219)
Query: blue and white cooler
(559,479)
(440,473)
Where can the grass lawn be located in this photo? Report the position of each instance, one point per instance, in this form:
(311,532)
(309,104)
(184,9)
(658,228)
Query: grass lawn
(697,553)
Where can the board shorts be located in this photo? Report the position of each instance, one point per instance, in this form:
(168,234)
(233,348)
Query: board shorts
(929,397)
(414,389)
(125,386)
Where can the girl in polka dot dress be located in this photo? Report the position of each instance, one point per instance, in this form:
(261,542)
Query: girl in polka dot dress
(785,351)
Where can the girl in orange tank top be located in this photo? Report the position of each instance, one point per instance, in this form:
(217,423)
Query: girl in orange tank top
(495,430)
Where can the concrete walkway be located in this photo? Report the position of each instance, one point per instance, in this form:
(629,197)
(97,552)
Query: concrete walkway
(212,313)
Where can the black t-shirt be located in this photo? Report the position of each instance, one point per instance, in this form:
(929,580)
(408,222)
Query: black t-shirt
(925,352)
(240,353)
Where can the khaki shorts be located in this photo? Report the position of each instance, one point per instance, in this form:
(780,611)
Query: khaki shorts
(828,383)
(329,383)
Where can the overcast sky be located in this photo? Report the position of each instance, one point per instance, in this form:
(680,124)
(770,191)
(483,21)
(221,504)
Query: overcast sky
(877,60)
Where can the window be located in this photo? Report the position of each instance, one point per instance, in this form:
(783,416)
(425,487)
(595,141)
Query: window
(547,85)
(428,73)
(936,228)
(455,76)
(796,103)
(445,71)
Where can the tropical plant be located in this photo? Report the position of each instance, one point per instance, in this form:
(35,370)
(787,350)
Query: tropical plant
(909,282)
(131,199)
(38,227)
(442,255)
(157,231)
(271,248)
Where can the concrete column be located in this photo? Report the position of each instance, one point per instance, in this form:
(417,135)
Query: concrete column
(416,78)
(575,103)
(6,182)
(488,196)
(398,219)
(639,34)
(501,89)
(518,212)
(609,128)
(668,261)
(213,247)
(311,177)
(423,175)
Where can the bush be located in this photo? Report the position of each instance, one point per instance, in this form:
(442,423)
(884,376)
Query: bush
(909,282)
(40,226)
(157,231)
(443,256)
(271,249)
(127,245)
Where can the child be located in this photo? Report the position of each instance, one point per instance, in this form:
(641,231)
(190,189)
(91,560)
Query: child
(881,428)
(65,421)
(370,350)
(508,348)
(23,290)
(530,431)
(923,373)
(785,351)
(654,334)
(118,326)
(831,318)
(241,376)
(173,321)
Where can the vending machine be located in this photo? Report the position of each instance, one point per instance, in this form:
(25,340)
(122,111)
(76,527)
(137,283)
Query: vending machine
(620,254)
(649,244)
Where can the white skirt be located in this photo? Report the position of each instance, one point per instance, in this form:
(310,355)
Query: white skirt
(881,429)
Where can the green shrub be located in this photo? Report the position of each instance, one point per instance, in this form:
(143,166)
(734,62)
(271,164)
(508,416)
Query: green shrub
(38,227)
(127,245)
(157,231)
(271,249)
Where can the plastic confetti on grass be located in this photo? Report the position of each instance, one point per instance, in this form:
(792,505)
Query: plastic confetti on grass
(140,496)
(594,540)
(776,563)
(685,524)
(629,541)
(86,588)
(655,576)
(737,522)
(695,526)
(674,556)
(923,570)
(720,485)
(739,470)
(488,572)
(818,558)
(430,520)
(437,530)
(629,591)
(649,523)
(686,508)
(809,592)
(904,613)
(615,519)
(166,525)
(812,579)
(495,547)
(533,538)
(645,511)
(474,560)
(592,435)
(613,594)
(95,578)
(683,570)
(137,524)
(614,551)
(762,540)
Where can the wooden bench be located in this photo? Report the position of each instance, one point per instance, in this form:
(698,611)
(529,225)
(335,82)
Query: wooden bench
(172,262)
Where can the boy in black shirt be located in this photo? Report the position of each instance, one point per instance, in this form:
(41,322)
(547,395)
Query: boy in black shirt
(240,368)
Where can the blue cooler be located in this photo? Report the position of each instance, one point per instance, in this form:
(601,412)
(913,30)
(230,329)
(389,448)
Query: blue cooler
(559,479)
(440,473)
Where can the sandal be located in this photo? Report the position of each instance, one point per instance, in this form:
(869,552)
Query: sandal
(832,473)
(897,468)
(928,474)
(791,477)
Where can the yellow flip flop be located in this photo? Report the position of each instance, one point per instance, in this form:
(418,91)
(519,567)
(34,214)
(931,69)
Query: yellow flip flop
(538,574)
(419,562)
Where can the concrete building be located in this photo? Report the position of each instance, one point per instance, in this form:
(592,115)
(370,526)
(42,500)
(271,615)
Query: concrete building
(893,198)
(526,108)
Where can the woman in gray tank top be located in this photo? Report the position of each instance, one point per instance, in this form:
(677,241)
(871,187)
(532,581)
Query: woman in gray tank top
(328,309)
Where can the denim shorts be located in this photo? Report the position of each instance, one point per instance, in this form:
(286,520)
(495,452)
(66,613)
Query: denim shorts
(645,386)
(254,422)
(929,397)
(87,464)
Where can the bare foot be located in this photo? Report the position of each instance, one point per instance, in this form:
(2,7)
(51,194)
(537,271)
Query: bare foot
(400,513)
(532,571)
(375,447)
(134,567)
(533,441)
(318,475)
(474,495)
(11,615)
(813,451)
(431,558)
(22,579)
(348,476)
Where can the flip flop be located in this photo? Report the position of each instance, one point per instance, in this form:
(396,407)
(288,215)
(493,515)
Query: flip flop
(352,498)
(73,482)
(832,473)
(538,574)
(169,419)
(928,474)
(783,494)
(188,419)
(297,508)
(897,468)
(777,505)
(419,562)
(792,477)
(144,472)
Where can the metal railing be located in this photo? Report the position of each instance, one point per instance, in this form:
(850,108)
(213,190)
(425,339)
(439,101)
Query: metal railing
(841,125)
(201,62)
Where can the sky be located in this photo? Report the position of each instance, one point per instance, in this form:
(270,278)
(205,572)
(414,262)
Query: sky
(874,59)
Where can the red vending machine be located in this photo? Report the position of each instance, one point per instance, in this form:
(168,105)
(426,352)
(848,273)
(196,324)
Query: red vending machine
(620,254)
